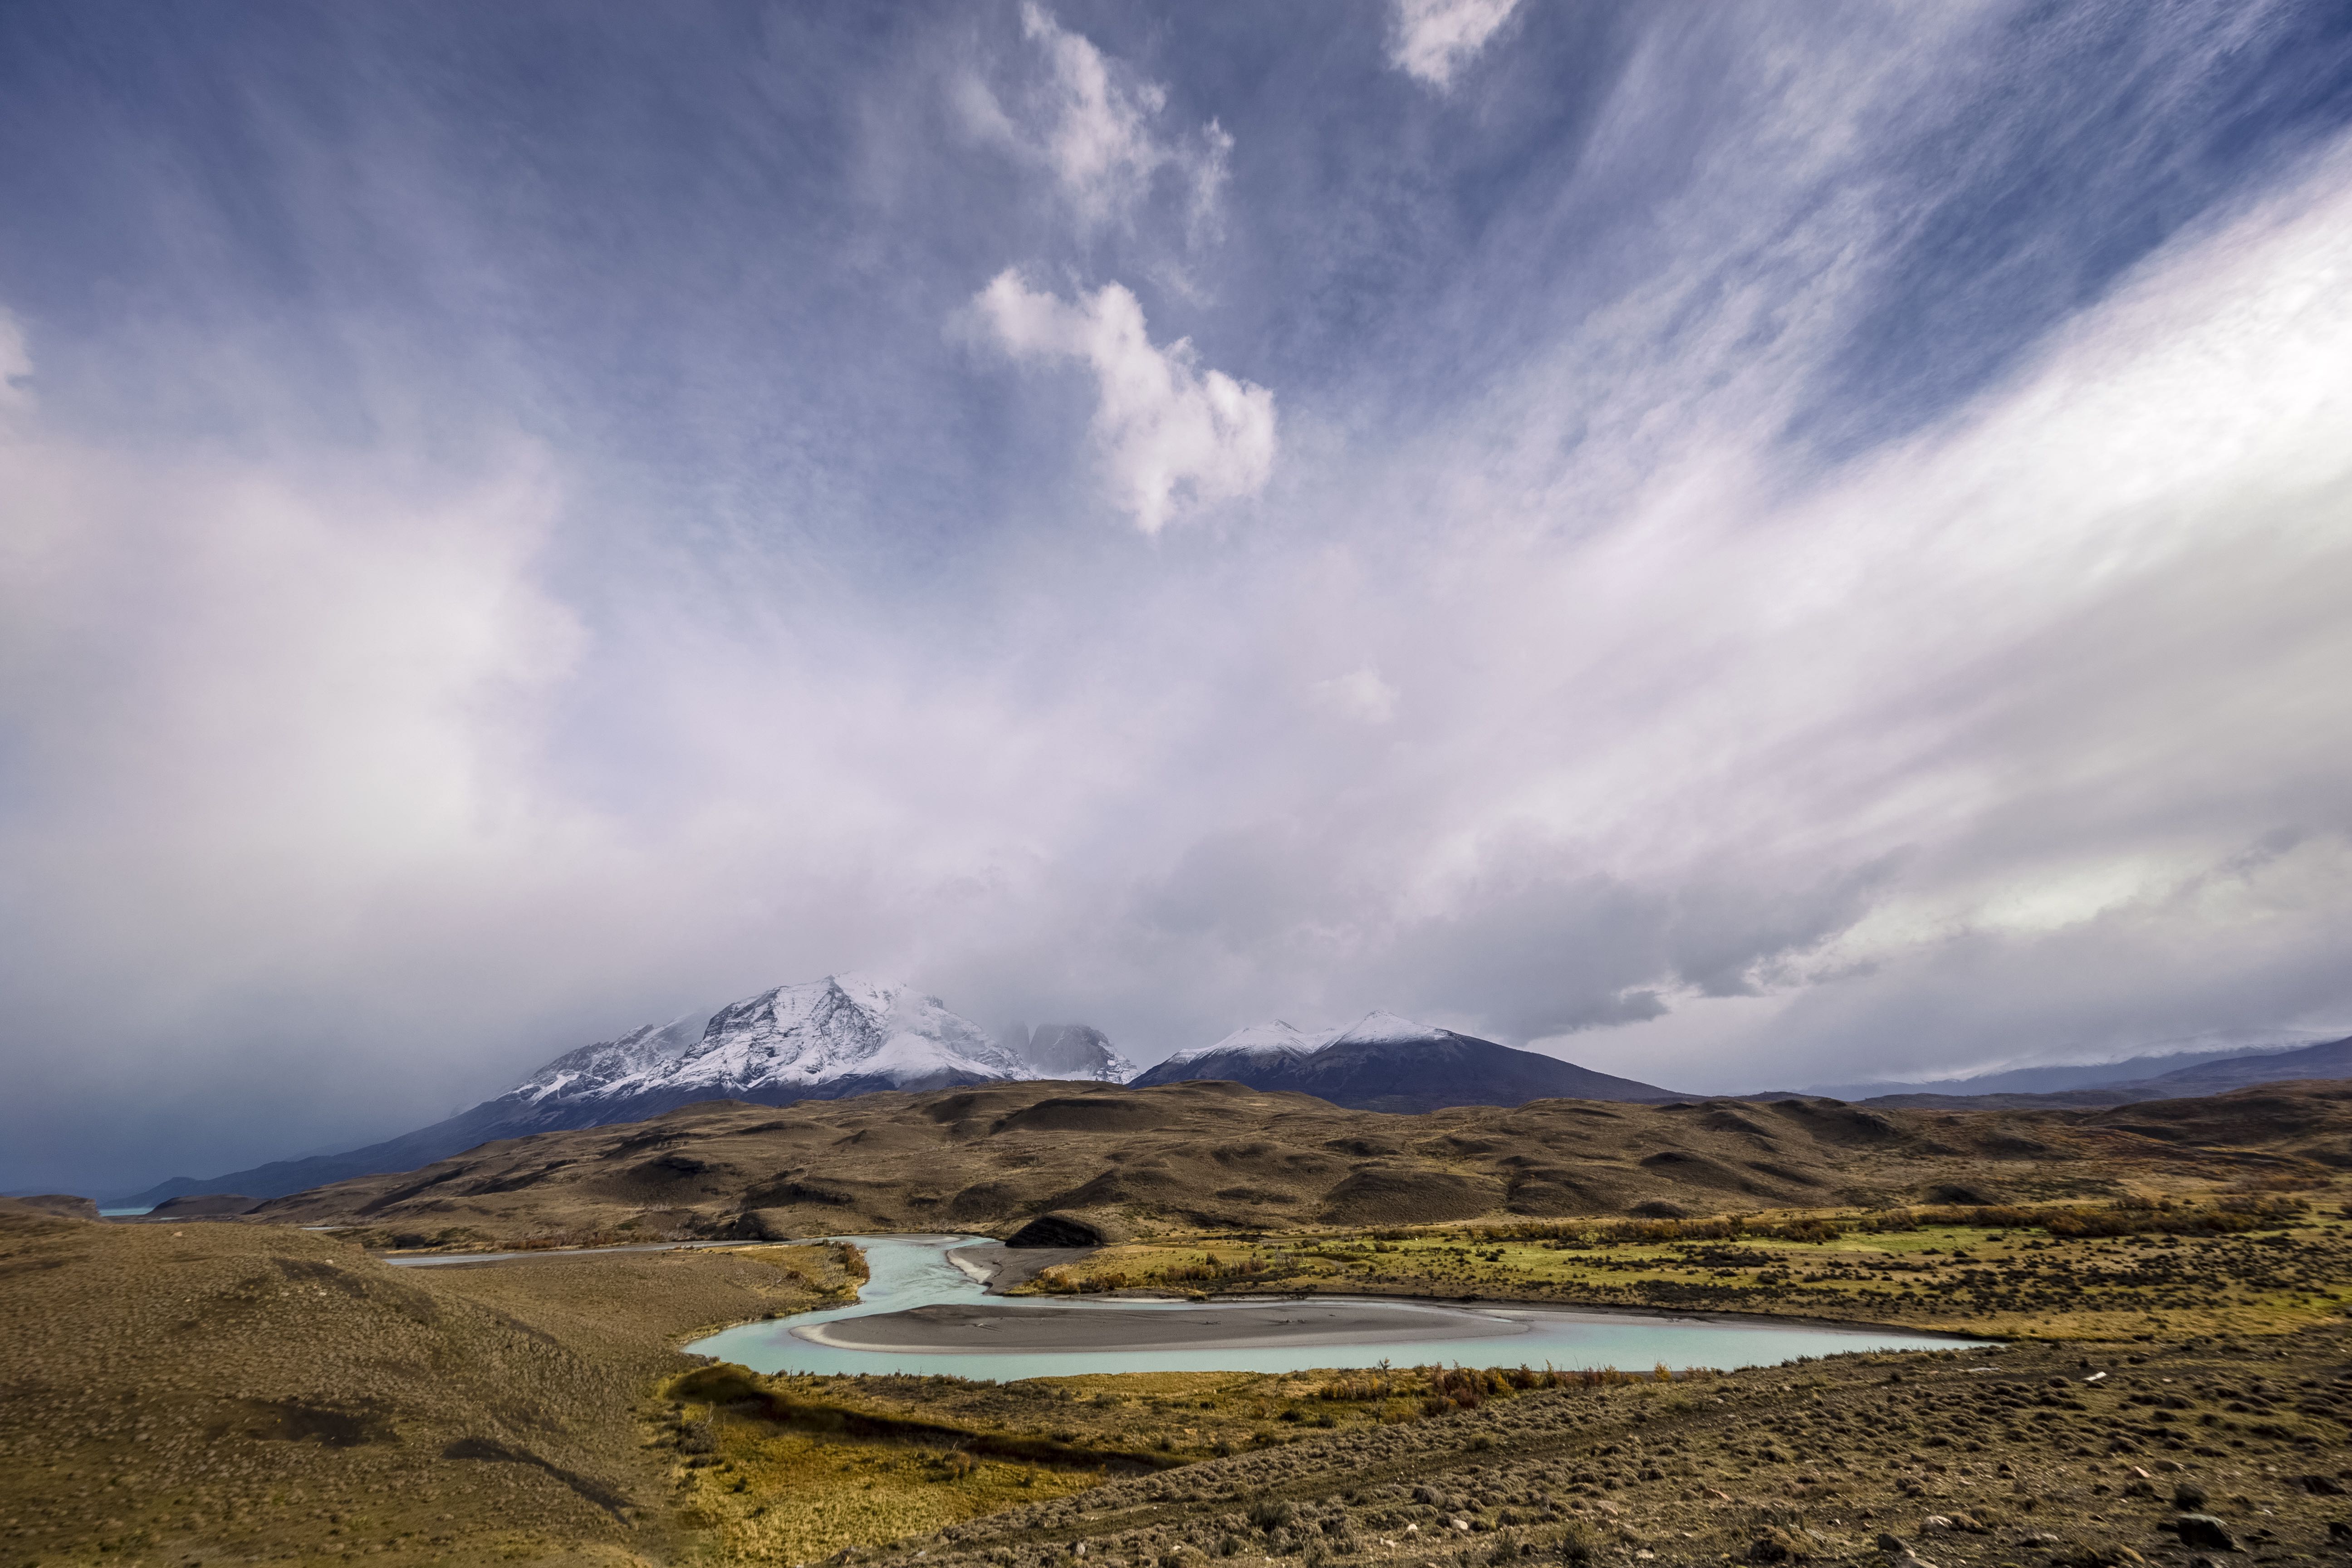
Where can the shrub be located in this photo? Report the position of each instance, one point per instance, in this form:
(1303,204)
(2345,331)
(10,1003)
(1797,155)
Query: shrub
(1270,1514)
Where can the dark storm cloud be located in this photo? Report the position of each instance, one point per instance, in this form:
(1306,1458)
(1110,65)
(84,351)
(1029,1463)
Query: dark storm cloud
(1737,544)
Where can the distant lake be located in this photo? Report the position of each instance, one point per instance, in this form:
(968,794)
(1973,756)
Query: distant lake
(909,1272)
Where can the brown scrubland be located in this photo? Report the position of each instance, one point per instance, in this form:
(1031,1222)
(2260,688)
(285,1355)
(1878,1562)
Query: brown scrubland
(1218,1156)
(2172,1278)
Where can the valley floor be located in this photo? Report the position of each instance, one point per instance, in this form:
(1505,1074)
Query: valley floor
(2176,1270)
(2013,1457)
(242,1392)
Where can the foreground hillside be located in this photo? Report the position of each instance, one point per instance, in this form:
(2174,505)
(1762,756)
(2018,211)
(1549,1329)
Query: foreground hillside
(247,1392)
(1197,1156)
(254,1391)
(2095,1457)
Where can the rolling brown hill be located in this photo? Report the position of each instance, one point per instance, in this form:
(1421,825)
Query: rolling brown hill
(228,1392)
(1214,1155)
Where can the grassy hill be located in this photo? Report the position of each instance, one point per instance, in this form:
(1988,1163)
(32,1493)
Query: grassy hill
(1217,1156)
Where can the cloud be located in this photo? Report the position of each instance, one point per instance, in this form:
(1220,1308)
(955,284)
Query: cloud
(454,609)
(2015,740)
(1094,124)
(253,708)
(2043,656)
(1172,436)
(1361,695)
(16,364)
(1432,40)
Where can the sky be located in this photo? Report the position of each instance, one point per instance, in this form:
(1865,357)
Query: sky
(1740,546)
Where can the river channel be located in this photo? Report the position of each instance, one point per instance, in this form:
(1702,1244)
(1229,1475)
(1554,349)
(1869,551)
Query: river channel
(921,1314)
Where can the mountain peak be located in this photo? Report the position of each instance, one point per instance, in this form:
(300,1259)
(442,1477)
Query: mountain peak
(1268,1041)
(843,1027)
(1384,1062)
(1073,1051)
(639,1050)
(1379,1028)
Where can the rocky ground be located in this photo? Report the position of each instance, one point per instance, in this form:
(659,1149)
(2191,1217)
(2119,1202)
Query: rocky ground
(2039,1455)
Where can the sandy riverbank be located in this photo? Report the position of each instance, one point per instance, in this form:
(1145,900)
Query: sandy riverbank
(990,1327)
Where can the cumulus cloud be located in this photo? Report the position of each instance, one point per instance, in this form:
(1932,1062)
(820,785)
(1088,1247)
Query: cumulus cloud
(1432,40)
(1094,124)
(1173,434)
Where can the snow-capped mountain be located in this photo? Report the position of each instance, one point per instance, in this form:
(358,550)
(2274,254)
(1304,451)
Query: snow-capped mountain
(1377,1027)
(827,1039)
(634,1054)
(1382,1062)
(844,1035)
(1259,1044)
(1068,1051)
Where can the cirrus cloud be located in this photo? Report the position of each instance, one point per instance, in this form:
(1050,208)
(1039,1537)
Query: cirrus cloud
(1093,123)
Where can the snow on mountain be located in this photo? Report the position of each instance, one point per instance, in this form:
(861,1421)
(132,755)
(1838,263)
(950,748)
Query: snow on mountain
(1275,1040)
(1268,1042)
(1379,1027)
(841,1035)
(1077,1051)
(841,1030)
(852,1033)
(591,1067)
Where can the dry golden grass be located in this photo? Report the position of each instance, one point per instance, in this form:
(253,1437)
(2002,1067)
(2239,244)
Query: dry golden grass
(768,1494)
(240,1394)
(2011,1282)
(245,1393)
(1218,1156)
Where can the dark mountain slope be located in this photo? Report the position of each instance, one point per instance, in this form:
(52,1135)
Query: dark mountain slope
(1392,1064)
(1447,1069)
